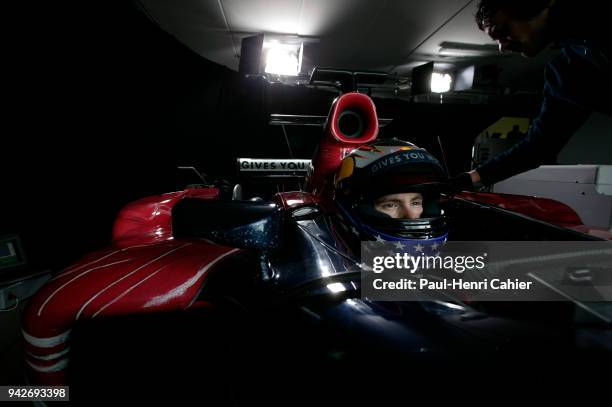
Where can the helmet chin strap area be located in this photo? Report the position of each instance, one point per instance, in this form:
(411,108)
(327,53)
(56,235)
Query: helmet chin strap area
(407,230)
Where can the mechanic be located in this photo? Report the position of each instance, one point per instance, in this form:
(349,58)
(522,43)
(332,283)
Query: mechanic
(577,82)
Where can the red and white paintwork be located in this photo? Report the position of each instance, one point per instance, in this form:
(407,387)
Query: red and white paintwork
(146,270)
(149,220)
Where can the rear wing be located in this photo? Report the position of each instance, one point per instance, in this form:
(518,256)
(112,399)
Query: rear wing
(307,120)
(347,80)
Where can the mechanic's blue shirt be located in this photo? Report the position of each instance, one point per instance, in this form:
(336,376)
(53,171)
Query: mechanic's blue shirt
(577,83)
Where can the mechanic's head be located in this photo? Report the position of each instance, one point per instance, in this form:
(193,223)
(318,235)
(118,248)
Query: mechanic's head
(403,205)
(390,190)
(521,26)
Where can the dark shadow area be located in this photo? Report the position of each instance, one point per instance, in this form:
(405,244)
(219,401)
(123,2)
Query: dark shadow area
(282,357)
(103,105)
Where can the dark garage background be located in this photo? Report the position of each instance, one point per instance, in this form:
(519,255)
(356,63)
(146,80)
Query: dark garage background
(102,105)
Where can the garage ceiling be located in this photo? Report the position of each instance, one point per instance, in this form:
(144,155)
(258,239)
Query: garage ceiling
(388,35)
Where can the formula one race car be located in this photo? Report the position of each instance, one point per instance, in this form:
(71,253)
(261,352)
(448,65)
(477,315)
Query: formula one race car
(238,301)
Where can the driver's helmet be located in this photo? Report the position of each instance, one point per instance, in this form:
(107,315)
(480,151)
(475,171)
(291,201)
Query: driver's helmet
(389,190)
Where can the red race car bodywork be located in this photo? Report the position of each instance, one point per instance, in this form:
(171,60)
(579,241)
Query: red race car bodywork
(145,270)
(148,270)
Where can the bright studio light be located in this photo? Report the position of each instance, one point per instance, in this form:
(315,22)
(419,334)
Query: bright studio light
(440,82)
(284,59)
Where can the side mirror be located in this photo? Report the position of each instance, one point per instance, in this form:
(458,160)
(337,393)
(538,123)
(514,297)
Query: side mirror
(242,224)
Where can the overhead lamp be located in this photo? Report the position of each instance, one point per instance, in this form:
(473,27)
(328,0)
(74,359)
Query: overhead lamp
(277,54)
(282,58)
(441,82)
(439,78)
(428,78)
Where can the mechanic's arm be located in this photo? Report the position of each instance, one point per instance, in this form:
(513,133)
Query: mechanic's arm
(549,132)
